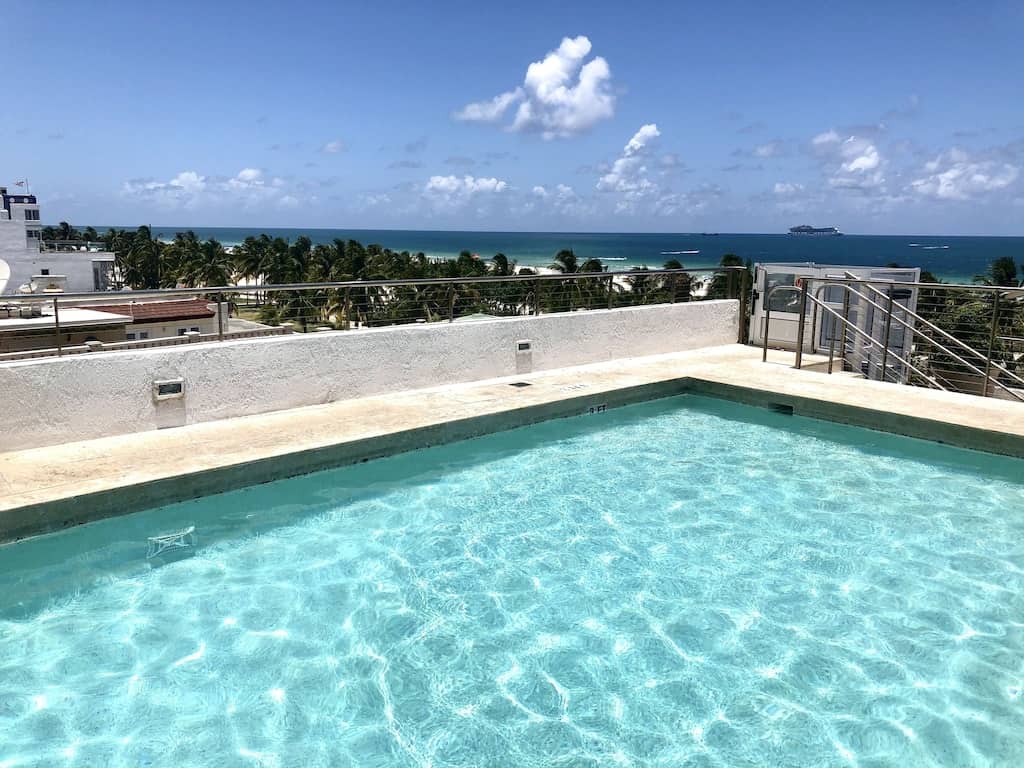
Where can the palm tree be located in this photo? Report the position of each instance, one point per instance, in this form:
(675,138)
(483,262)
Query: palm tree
(1002,271)
(676,287)
(66,232)
(725,283)
(579,293)
(181,259)
(213,266)
(501,266)
(139,261)
(565,262)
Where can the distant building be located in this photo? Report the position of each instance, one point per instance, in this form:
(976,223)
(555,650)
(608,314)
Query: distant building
(25,327)
(30,325)
(160,319)
(28,265)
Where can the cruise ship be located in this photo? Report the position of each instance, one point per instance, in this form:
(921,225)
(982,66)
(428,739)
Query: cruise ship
(807,229)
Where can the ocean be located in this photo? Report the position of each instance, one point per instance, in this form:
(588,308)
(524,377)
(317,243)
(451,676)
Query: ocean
(953,259)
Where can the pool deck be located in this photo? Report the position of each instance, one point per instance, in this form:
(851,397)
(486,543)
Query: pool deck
(52,487)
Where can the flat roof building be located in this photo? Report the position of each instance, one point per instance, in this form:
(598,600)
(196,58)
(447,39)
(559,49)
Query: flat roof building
(28,265)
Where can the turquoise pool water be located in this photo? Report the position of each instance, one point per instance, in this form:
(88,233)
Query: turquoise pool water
(682,582)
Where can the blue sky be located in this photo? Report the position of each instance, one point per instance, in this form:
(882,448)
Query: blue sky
(676,116)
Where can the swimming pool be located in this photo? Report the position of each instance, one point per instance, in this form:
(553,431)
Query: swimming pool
(681,582)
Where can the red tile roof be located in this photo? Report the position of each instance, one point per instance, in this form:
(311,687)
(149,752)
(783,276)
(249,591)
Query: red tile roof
(157,311)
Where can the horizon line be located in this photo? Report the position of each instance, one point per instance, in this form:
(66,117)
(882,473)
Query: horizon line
(263,228)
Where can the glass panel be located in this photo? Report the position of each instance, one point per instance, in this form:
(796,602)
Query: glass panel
(781,301)
(834,294)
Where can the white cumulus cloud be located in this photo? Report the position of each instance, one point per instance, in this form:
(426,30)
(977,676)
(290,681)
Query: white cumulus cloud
(786,188)
(956,175)
(825,139)
(561,199)
(456,191)
(333,147)
(491,110)
(190,189)
(852,163)
(629,176)
(561,96)
(775,148)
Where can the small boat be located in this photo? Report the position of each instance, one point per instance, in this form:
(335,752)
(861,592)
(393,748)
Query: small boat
(678,253)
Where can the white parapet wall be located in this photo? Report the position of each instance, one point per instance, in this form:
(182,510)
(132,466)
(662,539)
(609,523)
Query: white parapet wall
(58,400)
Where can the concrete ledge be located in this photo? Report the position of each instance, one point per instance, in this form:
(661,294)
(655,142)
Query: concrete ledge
(49,488)
(81,397)
(936,431)
(57,514)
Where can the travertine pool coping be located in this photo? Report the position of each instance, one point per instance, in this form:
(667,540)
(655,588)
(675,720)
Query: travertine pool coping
(49,488)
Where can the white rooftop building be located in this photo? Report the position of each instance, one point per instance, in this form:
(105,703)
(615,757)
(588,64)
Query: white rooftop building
(28,265)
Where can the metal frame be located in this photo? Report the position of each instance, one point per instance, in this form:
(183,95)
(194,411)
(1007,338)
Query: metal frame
(217,293)
(890,314)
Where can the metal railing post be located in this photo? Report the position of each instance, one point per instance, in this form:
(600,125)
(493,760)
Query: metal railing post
(800,325)
(451,304)
(991,342)
(885,335)
(764,338)
(846,319)
(832,344)
(56,327)
(536,297)
(741,335)
(220,317)
(611,290)
(348,310)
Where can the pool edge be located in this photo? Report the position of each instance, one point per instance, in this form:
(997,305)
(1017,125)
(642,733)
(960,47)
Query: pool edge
(18,523)
(58,514)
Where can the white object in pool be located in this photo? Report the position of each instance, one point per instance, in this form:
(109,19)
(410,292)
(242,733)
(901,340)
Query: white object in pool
(179,540)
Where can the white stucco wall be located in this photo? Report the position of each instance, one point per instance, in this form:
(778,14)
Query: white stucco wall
(93,395)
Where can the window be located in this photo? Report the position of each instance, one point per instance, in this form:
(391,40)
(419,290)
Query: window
(44,271)
(102,275)
(31,215)
(182,331)
(32,234)
(781,300)
(194,328)
(143,334)
(130,336)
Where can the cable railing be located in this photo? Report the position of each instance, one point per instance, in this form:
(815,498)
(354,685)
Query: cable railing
(74,323)
(963,338)
(90,246)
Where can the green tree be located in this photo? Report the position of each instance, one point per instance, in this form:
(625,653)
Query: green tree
(723,283)
(137,257)
(1002,271)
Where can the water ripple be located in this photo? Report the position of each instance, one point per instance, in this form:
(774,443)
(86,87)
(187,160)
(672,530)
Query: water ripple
(679,583)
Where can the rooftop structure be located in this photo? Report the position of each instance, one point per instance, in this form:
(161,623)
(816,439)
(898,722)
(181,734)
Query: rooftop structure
(159,311)
(26,327)
(28,265)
